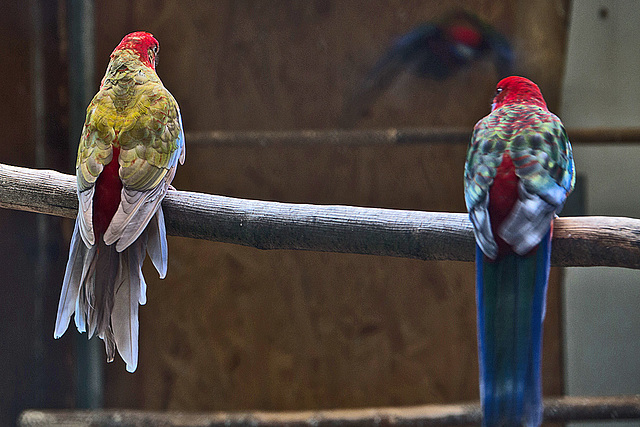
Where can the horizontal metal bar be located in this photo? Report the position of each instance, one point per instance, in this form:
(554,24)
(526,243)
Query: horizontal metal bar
(384,137)
(555,409)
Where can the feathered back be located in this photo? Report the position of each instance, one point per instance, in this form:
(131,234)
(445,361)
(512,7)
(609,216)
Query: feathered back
(521,126)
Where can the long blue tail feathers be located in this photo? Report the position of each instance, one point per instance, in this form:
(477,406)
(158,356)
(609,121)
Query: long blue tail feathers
(511,301)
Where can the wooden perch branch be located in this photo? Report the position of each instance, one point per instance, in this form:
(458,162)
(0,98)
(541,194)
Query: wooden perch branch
(558,409)
(579,241)
(384,137)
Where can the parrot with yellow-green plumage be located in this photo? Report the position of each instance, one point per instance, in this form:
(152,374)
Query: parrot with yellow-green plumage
(130,146)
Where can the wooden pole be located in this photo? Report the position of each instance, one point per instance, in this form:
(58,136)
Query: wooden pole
(577,241)
(555,409)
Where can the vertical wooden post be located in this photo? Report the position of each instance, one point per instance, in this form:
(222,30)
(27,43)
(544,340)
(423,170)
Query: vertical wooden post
(90,357)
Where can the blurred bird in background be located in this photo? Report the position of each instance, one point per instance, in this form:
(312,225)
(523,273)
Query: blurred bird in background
(433,50)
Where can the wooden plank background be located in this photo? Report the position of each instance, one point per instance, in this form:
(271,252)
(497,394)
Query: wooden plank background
(234,328)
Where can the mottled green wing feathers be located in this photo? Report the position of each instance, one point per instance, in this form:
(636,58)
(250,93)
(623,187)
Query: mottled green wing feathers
(153,143)
(147,130)
(135,112)
(538,145)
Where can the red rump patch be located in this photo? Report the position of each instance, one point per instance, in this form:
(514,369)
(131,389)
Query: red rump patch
(106,198)
(503,195)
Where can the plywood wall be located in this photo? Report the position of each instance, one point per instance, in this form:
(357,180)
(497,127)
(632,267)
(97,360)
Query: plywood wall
(235,328)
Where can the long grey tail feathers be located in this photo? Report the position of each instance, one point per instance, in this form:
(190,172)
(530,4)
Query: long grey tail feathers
(104,287)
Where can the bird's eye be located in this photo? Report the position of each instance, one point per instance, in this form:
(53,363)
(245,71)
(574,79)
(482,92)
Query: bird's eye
(498,90)
(153,54)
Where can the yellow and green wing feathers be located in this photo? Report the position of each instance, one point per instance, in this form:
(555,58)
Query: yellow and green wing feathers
(136,113)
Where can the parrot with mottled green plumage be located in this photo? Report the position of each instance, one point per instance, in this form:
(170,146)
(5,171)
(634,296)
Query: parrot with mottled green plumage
(518,174)
(129,150)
